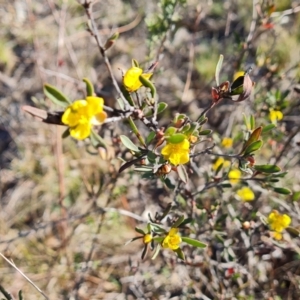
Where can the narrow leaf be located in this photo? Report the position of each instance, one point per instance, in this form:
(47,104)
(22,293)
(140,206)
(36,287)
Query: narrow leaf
(255,135)
(161,107)
(96,140)
(205,132)
(182,173)
(156,251)
(268,128)
(293,231)
(145,251)
(147,83)
(178,222)
(89,87)
(150,137)
(252,122)
(253,147)
(129,144)
(66,133)
(56,96)
(186,221)
(139,230)
(179,254)
(176,138)
(130,163)
(218,69)
(282,191)
(193,242)
(44,116)
(133,239)
(267,168)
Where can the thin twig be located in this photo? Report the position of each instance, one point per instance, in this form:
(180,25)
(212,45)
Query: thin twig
(94,31)
(32,283)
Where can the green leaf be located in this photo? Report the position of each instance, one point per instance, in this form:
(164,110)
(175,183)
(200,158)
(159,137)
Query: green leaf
(280,175)
(133,239)
(186,221)
(166,211)
(96,140)
(156,251)
(255,135)
(296,196)
(139,230)
(147,83)
(129,144)
(205,132)
(66,133)
(269,169)
(169,183)
(219,169)
(253,147)
(218,69)
(179,254)
(150,137)
(20,295)
(252,122)
(170,131)
(161,107)
(56,96)
(282,191)
(145,251)
(293,231)
(151,157)
(178,222)
(176,138)
(268,128)
(193,242)
(202,120)
(89,87)
(237,87)
(246,121)
(225,185)
(182,173)
(134,63)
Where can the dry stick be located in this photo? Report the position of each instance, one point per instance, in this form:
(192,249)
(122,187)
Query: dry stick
(94,31)
(16,268)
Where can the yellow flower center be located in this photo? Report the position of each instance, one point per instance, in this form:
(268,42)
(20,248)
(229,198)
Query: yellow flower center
(172,240)
(81,114)
(227,142)
(234,176)
(278,223)
(131,79)
(177,154)
(245,194)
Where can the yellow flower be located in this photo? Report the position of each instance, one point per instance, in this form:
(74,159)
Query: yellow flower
(131,79)
(275,115)
(227,142)
(177,154)
(220,161)
(278,223)
(147,238)
(234,176)
(82,114)
(172,240)
(245,194)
